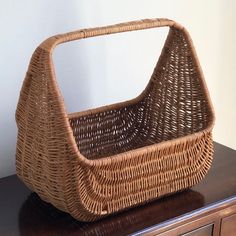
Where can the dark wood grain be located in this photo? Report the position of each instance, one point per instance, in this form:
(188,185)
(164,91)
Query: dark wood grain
(228,226)
(203,231)
(24,213)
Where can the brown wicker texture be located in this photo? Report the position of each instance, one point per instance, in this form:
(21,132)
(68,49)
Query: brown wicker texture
(101,161)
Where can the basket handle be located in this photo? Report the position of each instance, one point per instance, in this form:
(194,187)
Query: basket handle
(51,42)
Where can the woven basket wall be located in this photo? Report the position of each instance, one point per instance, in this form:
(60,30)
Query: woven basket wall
(101,161)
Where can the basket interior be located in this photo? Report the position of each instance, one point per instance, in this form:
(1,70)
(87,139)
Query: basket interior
(174,104)
(143,123)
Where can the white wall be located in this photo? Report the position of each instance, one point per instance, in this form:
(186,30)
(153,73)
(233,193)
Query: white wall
(104,70)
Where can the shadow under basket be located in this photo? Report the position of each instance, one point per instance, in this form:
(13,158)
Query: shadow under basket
(101,161)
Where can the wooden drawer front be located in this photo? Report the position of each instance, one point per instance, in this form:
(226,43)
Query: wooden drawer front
(203,231)
(228,226)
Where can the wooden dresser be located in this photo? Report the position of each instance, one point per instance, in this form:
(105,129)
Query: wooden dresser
(208,208)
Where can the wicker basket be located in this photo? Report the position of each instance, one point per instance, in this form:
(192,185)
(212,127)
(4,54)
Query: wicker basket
(101,161)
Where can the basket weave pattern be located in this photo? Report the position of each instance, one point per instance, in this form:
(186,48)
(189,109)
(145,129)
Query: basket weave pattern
(97,162)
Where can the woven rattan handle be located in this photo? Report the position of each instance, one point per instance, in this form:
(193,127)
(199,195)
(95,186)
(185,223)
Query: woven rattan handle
(50,43)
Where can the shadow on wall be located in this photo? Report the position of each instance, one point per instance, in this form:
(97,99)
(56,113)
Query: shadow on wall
(46,19)
(74,63)
(226,102)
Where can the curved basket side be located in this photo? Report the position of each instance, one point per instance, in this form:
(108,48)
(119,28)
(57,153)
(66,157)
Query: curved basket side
(116,186)
(45,153)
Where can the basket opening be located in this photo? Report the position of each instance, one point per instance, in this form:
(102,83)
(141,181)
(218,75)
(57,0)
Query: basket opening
(94,72)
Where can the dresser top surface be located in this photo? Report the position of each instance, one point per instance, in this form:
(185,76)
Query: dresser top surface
(24,213)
